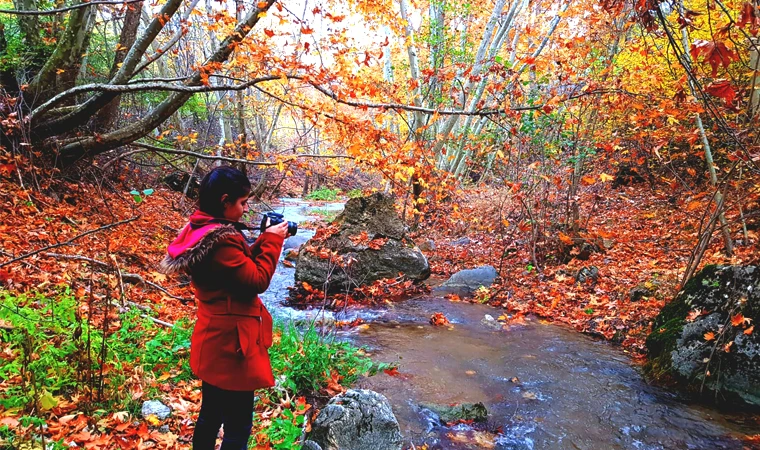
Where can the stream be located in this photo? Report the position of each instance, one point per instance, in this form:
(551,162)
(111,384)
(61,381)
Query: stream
(545,386)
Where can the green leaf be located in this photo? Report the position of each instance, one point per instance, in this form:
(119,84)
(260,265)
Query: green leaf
(47,401)
(148,191)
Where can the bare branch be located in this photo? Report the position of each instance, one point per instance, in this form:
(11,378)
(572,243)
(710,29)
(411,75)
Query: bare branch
(167,46)
(174,151)
(143,86)
(51,12)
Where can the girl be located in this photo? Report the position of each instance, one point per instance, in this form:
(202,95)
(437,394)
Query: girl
(234,329)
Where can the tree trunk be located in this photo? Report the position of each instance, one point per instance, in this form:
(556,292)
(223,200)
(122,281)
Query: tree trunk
(107,117)
(61,69)
(480,60)
(414,68)
(85,111)
(754,65)
(74,150)
(728,244)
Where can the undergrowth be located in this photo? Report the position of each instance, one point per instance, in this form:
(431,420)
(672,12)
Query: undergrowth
(323,194)
(55,358)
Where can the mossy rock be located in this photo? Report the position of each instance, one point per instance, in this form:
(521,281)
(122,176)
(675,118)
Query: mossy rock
(476,412)
(694,342)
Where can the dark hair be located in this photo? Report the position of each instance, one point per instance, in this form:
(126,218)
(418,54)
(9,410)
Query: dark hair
(222,180)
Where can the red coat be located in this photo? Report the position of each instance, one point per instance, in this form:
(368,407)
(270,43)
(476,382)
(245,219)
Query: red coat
(234,329)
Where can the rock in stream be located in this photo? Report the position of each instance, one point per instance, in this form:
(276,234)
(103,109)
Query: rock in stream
(705,335)
(376,216)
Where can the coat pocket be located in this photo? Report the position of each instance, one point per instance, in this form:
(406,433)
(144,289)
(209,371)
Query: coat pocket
(248,331)
(266,327)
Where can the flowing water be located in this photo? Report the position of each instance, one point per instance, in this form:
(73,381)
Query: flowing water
(545,387)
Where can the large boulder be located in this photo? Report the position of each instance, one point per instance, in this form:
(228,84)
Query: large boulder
(466,282)
(359,419)
(705,337)
(368,242)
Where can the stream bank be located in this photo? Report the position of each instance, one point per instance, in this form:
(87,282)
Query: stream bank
(545,386)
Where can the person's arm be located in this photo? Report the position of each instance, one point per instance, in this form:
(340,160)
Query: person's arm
(248,273)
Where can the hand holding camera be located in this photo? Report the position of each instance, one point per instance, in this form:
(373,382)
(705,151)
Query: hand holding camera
(273,222)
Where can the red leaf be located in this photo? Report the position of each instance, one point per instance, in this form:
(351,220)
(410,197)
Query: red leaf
(393,371)
(750,15)
(268,32)
(715,53)
(722,88)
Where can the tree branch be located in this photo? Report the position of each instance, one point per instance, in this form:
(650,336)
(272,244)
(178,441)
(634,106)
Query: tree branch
(51,12)
(139,87)
(174,151)
(61,244)
(128,277)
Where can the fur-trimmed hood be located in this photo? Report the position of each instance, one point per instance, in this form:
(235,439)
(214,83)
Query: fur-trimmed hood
(195,242)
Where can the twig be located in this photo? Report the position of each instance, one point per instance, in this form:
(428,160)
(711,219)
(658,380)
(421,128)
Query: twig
(50,12)
(62,244)
(128,277)
(121,279)
(151,318)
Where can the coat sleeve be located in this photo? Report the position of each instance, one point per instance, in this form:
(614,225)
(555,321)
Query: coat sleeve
(249,273)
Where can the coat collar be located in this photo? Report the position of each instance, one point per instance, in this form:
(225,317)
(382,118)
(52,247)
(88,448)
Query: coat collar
(195,242)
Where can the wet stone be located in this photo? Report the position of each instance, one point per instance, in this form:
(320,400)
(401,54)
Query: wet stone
(427,245)
(462,241)
(466,282)
(156,408)
(294,242)
(360,419)
(374,216)
(476,412)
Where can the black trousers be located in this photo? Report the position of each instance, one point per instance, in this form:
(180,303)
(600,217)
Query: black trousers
(233,409)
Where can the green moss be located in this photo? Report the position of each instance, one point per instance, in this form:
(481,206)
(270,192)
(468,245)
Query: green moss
(666,330)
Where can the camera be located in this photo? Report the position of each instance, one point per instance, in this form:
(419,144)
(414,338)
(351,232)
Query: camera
(274,219)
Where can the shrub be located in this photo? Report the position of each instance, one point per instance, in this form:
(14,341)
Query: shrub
(323,194)
(355,193)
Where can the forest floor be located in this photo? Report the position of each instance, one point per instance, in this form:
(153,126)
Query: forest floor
(644,238)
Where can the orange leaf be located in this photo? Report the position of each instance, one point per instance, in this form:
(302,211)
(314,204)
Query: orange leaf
(739,319)
(261,5)
(306,30)
(749,330)
(588,180)
(268,32)
(709,336)
(566,239)
(438,319)
(696,204)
